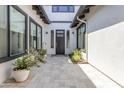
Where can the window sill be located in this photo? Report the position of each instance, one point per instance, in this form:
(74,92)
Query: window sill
(6,59)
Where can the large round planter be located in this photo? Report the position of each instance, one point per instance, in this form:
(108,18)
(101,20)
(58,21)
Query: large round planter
(21,75)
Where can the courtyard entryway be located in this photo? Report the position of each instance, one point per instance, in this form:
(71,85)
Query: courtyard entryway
(59,72)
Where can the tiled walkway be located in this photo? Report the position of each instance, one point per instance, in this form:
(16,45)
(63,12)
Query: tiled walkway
(58,72)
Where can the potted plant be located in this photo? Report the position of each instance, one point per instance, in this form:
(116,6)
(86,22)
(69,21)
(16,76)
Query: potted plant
(23,65)
(42,55)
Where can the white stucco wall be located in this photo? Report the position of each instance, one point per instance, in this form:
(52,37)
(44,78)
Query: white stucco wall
(59,16)
(106,40)
(5,68)
(57,26)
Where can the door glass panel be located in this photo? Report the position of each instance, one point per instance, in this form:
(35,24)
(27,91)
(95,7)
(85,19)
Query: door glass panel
(59,35)
(60,32)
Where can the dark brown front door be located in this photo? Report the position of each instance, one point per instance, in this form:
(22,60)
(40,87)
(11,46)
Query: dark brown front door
(60,42)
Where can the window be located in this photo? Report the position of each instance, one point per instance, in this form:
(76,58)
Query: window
(52,38)
(81,36)
(39,37)
(68,38)
(35,35)
(17,32)
(13,23)
(3,31)
(62,8)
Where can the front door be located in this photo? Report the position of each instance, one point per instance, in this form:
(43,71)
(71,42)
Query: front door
(60,42)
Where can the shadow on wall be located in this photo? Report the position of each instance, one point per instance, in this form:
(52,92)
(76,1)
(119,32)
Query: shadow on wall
(102,17)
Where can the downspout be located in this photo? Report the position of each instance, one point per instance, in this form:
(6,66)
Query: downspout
(86,40)
(81,20)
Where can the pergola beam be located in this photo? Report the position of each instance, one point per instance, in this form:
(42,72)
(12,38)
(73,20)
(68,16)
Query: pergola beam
(40,11)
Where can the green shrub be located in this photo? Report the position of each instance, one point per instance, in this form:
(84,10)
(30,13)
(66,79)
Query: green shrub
(42,52)
(39,55)
(77,52)
(76,56)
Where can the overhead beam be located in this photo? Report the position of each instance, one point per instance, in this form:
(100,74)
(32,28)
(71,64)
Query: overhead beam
(34,7)
(42,17)
(87,10)
(88,6)
(40,11)
(82,16)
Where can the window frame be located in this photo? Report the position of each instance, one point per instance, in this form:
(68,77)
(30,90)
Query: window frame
(3,58)
(84,33)
(25,32)
(9,56)
(37,25)
(41,35)
(68,10)
(68,39)
(52,38)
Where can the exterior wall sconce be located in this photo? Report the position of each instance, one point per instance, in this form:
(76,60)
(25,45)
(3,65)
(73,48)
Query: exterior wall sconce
(46,32)
(73,33)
